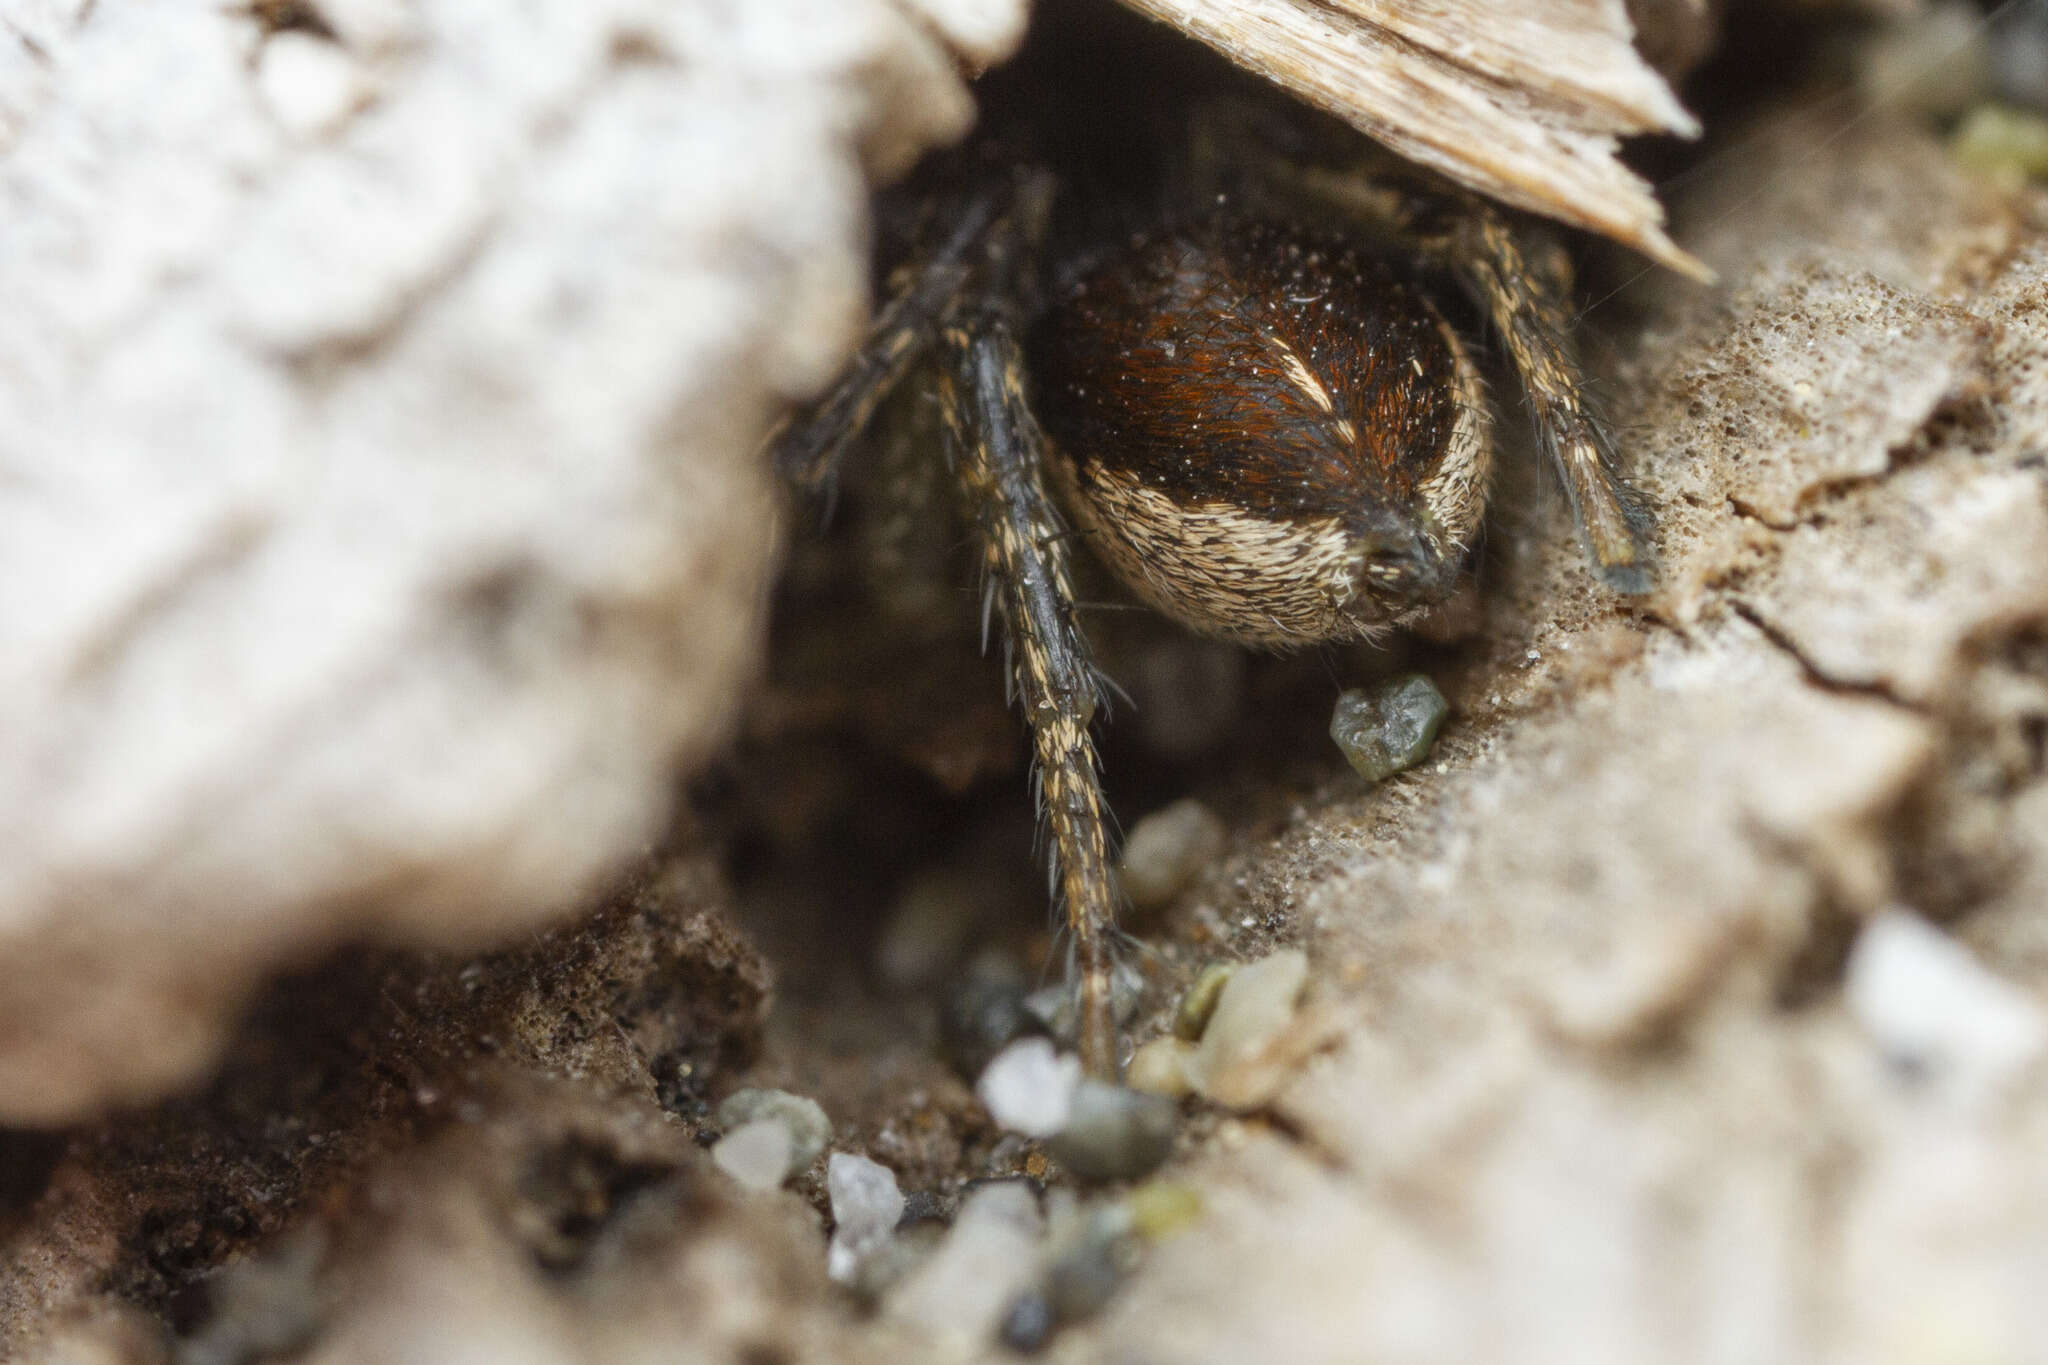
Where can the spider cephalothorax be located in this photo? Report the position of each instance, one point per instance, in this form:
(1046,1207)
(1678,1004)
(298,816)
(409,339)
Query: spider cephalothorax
(1228,363)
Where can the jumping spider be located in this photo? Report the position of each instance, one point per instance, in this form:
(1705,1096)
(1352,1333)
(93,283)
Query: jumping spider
(1205,324)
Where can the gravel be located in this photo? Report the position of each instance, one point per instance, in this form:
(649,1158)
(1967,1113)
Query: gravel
(759,1155)
(1254,1011)
(865,1205)
(1198,1002)
(962,1290)
(1167,850)
(1029,1088)
(1160,1067)
(1386,729)
(804,1120)
(1114,1133)
(983,1013)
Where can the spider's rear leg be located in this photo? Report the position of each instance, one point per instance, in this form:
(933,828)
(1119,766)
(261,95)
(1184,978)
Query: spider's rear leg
(1001,454)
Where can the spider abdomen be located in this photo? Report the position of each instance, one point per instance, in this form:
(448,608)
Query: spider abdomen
(1271,436)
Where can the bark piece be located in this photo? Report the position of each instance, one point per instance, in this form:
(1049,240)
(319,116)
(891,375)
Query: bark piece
(1525,103)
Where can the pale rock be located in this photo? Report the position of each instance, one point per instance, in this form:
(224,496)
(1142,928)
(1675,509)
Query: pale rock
(810,1131)
(382,519)
(989,1256)
(866,1206)
(1167,849)
(1160,1067)
(1029,1088)
(759,1154)
(1931,1007)
(1232,1065)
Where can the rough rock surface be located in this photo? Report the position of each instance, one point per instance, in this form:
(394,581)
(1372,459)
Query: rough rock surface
(381,521)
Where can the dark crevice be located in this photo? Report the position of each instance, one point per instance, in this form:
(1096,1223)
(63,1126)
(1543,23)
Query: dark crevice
(1815,674)
(1742,507)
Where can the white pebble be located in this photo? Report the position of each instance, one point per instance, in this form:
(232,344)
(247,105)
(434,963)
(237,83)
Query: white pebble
(309,84)
(987,1258)
(1167,850)
(1254,1011)
(759,1154)
(1029,1088)
(1931,1006)
(866,1206)
(810,1132)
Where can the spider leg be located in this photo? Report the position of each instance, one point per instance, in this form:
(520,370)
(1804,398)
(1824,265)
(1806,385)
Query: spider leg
(1524,284)
(1000,452)
(809,444)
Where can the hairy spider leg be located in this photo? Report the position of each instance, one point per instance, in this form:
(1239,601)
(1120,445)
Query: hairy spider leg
(1524,284)
(1001,459)
(980,265)
(809,445)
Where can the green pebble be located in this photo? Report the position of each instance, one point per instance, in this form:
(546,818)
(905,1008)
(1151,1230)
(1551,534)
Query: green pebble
(1200,1001)
(1997,140)
(1388,728)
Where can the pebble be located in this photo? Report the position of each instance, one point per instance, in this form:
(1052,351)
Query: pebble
(928,1206)
(865,1206)
(378,27)
(1388,728)
(1027,1323)
(1114,1133)
(983,1014)
(2007,144)
(963,1288)
(1938,1014)
(1089,1252)
(1029,1088)
(810,1132)
(894,1259)
(1160,1067)
(1085,1276)
(1199,1000)
(1167,850)
(757,1154)
(270,1305)
(1254,1010)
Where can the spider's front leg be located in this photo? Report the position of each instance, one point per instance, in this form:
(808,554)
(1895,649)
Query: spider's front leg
(1001,459)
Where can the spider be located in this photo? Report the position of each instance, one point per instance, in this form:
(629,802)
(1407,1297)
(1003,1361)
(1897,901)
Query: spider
(1197,331)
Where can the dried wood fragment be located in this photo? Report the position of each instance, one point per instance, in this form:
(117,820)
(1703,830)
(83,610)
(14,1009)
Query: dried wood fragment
(1523,102)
